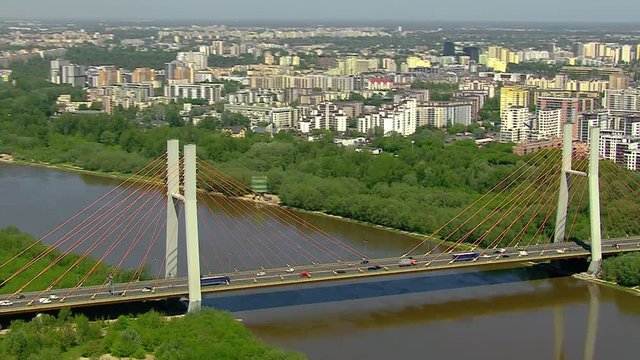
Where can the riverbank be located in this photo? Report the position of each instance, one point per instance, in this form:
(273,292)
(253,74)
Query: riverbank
(6,158)
(69,168)
(594,279)
(122,176)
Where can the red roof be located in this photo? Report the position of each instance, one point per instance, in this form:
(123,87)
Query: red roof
(380,80)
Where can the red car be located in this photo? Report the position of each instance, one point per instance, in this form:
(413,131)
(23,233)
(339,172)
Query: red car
(305,275)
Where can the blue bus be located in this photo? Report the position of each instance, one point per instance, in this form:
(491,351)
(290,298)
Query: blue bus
(465,256)
(214,280)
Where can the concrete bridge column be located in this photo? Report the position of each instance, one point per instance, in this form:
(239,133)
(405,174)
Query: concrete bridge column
(594,201)
(563,194)
(173,190)
(191,225)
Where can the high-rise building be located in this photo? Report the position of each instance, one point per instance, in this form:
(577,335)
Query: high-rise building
(589,119)
(217,47)
(210,92)
(401,119)
(324,116)
(143,75)
(549,124)
(514,125)
(444,113)
(195,60)
(472,52)
(513,96)
(624,99)
(625,53)
(448,49)
(109,75)
(389,65)
(205,50)
(75,75)
(569,107)
(618,81)
(56,70)
(179,71)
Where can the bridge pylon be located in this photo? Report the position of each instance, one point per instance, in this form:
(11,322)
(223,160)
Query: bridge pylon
(565,176)
(190,218)
(594,192)
(594,200)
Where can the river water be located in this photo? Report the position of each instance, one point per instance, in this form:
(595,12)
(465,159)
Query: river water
(524,313)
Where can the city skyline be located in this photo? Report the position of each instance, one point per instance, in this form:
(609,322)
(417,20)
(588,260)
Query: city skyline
(328,10)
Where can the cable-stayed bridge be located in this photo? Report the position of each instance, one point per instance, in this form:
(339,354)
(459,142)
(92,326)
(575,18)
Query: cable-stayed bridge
(526,217)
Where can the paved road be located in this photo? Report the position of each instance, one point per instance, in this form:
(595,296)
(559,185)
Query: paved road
(177,287)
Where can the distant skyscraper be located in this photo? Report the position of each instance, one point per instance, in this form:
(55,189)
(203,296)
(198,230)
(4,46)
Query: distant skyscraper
(448,49)
(472,52)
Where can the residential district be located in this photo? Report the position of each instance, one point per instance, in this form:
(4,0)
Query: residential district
(357,82)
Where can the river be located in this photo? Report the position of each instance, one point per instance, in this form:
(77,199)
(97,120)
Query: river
(524,313)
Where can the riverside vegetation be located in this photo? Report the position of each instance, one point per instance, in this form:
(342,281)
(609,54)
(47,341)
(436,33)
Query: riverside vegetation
(623,269)
(208,334)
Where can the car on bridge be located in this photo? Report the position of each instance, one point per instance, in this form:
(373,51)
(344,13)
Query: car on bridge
(44,301)
(261,273)
(5,303)
(374,267)
(290,270)
(305,274)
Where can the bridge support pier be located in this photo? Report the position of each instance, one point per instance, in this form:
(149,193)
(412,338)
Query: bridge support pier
(173,190)
(563,194)
(594,201)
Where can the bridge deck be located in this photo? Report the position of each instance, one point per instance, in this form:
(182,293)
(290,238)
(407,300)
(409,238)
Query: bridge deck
(328,272)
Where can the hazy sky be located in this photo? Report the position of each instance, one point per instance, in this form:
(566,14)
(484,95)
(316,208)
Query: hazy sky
(325,10)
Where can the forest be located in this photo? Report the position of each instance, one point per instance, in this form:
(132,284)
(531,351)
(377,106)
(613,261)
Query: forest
(418,183)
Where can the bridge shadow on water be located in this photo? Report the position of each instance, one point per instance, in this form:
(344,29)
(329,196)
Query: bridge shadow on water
(308,294)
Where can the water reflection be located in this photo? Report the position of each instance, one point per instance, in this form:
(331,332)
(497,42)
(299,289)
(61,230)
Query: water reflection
(554,318)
